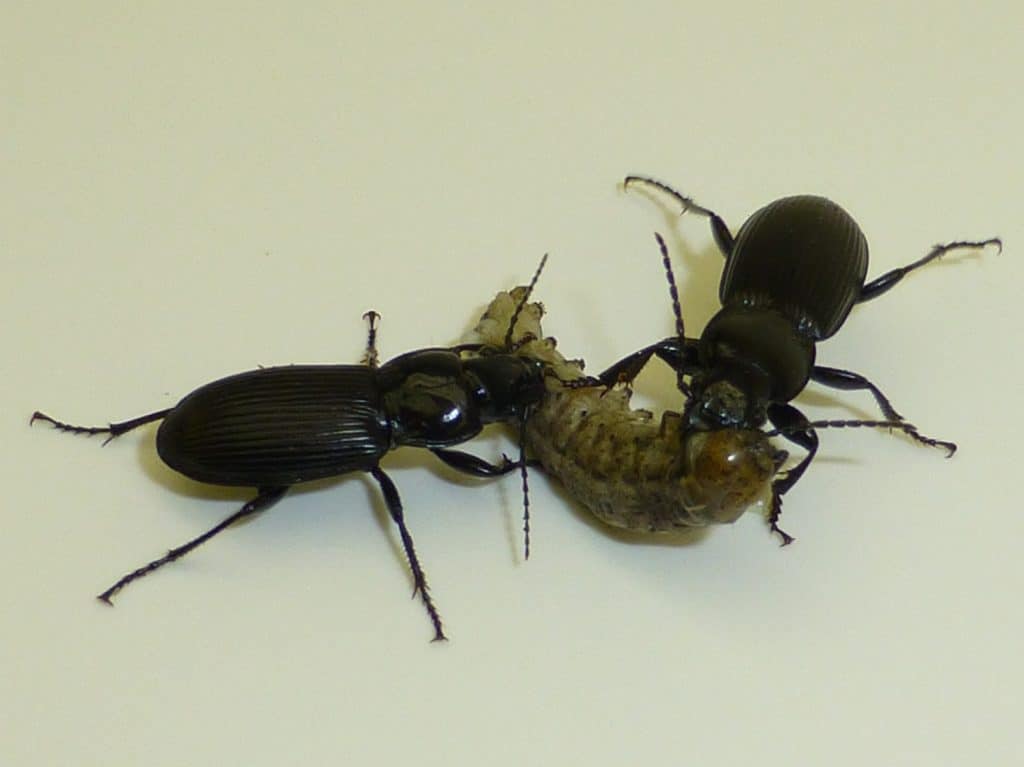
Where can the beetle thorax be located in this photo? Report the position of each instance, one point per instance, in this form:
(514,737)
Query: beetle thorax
(752,356)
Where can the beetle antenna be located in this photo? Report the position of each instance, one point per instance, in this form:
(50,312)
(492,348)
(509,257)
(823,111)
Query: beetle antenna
(526,487)
(677,310)
(830,424)
(522,302)
(907,428)
(673,290)
(522,424)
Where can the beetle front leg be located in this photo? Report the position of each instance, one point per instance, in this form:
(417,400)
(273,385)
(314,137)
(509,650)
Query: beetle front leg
(628,368)
(797,429)
(267,497)
(419,579)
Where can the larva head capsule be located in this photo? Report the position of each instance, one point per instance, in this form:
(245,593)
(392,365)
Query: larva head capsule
(728,470)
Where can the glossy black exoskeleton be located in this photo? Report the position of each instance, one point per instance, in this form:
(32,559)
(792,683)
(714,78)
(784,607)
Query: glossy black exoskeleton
(792,274)
(276,427)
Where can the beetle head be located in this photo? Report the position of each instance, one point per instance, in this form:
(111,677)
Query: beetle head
(750,356)
(505,385)
(729,397)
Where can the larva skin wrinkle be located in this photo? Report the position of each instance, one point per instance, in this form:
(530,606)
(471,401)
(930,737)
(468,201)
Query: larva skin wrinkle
(628,469)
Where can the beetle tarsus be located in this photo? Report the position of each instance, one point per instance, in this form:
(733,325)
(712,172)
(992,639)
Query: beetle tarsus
(786,537)
(68,427)
(773,519)
(370,356)
(266,498)
(884,282)
(114,429)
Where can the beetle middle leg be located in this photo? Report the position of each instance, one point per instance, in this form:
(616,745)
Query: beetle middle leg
(394,504)
(797,429)
(881,284)
(114,429)
(266,497)
(847,380)
(475,466)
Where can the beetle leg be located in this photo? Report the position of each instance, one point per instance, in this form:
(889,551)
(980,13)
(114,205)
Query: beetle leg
(478,467)
(847,380)
(797,429)
(394,504)
(371,358)
(266,497)
(473,465)
(114,429)
(680,355)
(881,284)
(723,237)
(586,382)
(628,368)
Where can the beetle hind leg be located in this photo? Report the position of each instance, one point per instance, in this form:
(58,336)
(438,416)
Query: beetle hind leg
(114,429)
(885,282)
(265,498)
(847,380)
(419,579)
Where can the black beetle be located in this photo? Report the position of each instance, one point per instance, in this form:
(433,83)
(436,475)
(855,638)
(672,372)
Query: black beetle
(276,427)
(792,274)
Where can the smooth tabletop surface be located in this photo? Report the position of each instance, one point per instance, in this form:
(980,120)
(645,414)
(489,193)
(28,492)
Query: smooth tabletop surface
(194,191)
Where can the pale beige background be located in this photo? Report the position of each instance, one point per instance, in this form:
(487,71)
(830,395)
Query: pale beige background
(194,189)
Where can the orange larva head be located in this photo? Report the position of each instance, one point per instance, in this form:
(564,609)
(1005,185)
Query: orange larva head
(729,470)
